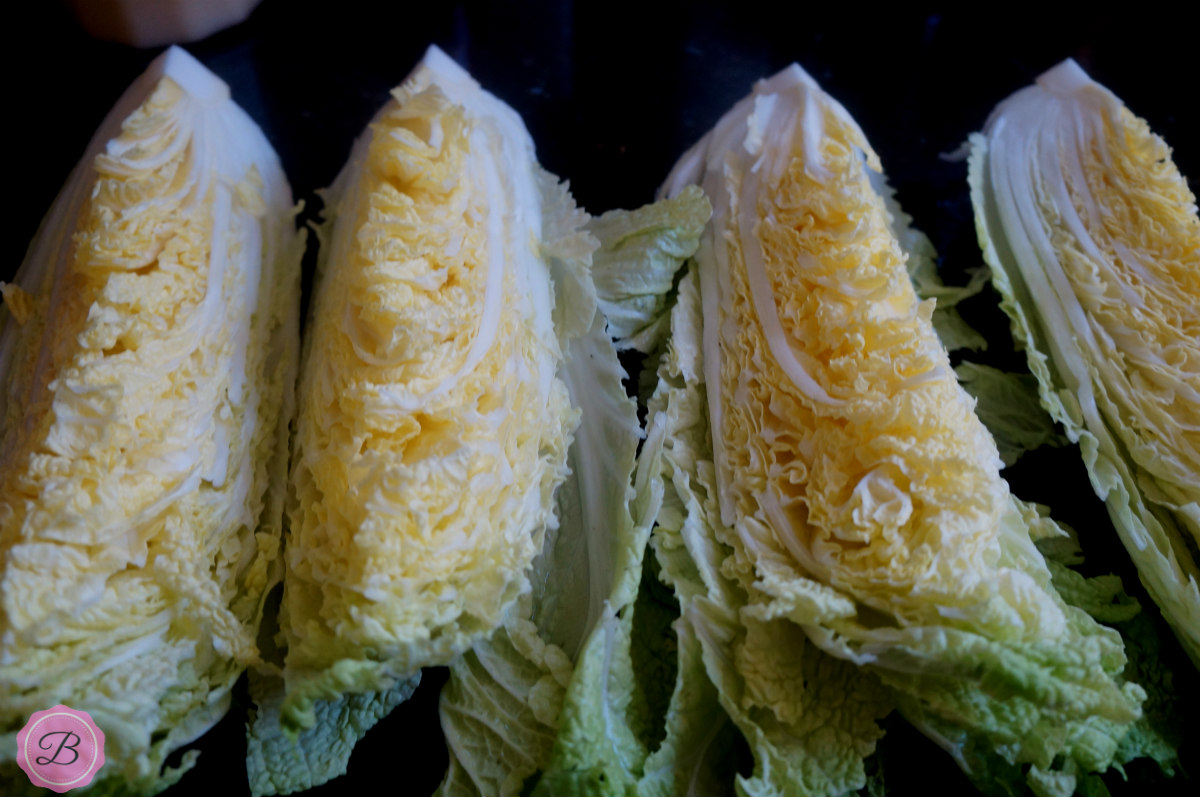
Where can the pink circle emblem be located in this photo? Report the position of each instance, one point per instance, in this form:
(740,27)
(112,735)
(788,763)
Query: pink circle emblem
(60,748)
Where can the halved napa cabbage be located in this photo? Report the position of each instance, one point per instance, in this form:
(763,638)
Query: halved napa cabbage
(450,505)
(1094,243)
(148,348)
(432,426)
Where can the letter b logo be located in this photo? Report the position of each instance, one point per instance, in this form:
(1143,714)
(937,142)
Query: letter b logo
(60,748)
(69,742)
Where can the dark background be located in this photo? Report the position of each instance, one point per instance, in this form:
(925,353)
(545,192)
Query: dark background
(612,94)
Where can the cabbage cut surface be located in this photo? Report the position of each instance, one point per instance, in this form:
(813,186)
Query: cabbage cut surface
(148,348)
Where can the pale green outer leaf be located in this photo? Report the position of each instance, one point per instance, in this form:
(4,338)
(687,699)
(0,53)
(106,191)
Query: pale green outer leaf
(276,763)
(568,249)
(1160,730)
(1056,704)
(574,577)
(694,757)
(1164,725)
(1153,535)
(1009,407)
(499,711)
(501,708)
(640,251)
(597,748)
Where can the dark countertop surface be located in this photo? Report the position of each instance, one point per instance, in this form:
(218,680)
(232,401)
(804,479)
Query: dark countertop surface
(612,94)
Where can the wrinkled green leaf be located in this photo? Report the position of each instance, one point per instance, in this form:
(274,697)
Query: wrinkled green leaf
(640,252)
(278,763)
(585,666)
(1009,407)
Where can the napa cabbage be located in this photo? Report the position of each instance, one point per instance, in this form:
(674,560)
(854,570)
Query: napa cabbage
(148,346)
(1094,243)
(835,526)
(464,448)
(432,426)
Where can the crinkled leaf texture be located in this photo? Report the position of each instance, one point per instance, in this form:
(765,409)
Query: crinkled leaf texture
(635,266)
(1094,244)
(851,510)
(433,425)
(1009,407)
(280,763)
(809,718)
(549,673)
(148,347)
(1007,403)
(952,329)
(500,708)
